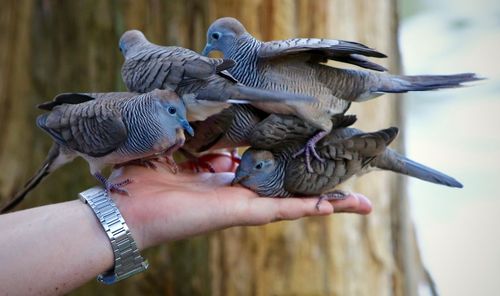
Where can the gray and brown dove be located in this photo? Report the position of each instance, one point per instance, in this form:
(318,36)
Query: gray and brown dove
(204,85)
(244,125)
(107,129)
(298,66)
(347,152)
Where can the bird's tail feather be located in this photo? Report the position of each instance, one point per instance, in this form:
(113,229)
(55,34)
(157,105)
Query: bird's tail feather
(401,84)
(43,171)
(396,162)
(251,94)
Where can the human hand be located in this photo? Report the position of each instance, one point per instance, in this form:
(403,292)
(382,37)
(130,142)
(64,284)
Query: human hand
(163,206)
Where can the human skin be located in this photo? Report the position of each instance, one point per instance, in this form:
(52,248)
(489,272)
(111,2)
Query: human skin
(56,248)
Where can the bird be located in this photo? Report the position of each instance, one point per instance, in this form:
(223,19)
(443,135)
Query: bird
(203,83)
(107,129)
(245,125)
(347,152)
(228,129)
(276,131)
(298,66)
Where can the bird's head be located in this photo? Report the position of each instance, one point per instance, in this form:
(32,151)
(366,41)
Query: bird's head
(129,41)
(256,167)
(222,34)
(175,110)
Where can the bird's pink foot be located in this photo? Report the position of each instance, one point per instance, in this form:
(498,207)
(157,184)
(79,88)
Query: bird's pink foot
(148,163)
(310,148)
(169,160)
(113,187)
(235,157)
(333,195)
(196,163)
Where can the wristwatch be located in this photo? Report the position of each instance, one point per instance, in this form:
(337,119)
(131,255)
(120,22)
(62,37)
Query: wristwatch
(128,261)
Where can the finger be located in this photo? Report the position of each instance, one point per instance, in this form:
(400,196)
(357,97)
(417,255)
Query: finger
(220,162)
(354,203)
(263,210)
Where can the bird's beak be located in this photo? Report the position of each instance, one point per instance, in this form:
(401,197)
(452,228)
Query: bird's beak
(187,127)
(207,49)
(238,178)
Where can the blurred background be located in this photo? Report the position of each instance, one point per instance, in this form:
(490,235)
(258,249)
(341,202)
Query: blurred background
(457,132)
(418,233)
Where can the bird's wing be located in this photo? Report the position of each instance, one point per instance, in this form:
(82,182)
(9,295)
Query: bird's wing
(225,74)
(92,129)
(65,98)
(167,67)
(78,98)
(322,50)
(277,131)
(345,143)
(198,66)
(346,152)
(209,131)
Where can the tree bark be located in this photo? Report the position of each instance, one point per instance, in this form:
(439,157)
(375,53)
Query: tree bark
(50,47)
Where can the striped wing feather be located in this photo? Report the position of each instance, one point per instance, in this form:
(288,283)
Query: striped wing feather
(346,152)
(93,129)
(322,50)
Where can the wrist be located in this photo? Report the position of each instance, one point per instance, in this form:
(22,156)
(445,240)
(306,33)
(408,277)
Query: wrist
(135,220)
(127,258)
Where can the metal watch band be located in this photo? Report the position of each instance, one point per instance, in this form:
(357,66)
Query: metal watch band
(128,261)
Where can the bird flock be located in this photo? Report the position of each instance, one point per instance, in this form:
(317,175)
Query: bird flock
(278,97)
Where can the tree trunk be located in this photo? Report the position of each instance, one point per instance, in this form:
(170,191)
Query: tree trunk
(50,47)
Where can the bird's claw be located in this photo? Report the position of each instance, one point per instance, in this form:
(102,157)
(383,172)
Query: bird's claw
(310,148)
(117,187)
(169,160)
(333,195)
(113,187)
(149,163)
(198,165)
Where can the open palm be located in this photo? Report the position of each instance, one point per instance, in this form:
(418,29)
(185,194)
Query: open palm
(163,206)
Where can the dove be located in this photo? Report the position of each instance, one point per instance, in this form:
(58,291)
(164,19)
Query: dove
(298,66)
(244,125)
(107,129)
(347,152)
(228,129)
(277,131)
(203,83)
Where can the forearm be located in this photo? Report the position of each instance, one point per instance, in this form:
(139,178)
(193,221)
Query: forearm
(51,249)
(54,249)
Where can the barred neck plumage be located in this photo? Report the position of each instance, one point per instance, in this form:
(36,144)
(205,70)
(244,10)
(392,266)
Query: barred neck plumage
(244,52)
(275,184)
(142,123)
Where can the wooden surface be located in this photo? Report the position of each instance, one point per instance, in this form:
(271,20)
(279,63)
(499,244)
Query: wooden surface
(48,47)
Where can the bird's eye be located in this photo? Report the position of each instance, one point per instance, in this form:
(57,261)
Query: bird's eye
(121,46)
(172,110)
(258,166)
(216,35)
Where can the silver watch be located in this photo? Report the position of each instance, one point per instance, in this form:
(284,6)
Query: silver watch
(128,261)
